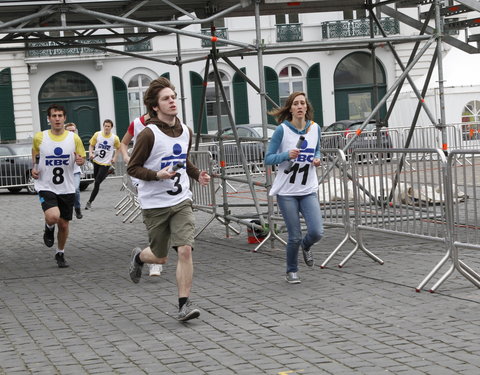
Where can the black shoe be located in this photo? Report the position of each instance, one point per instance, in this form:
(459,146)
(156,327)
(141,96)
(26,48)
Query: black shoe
(308,256)
(88,205)
(135,269)
(60,258)
(48,236)
(187,312)
(78,213)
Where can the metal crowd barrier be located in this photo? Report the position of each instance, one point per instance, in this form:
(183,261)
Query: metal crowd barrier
(254,154)
(463,212)
(15,172)
(336,200)
(390,199)
(129,205)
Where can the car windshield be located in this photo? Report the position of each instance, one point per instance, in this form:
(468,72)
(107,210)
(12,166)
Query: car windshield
(370,126)
(251,131)
(22,149)
(259,130)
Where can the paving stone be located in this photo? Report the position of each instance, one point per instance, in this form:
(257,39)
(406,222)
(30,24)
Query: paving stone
(90,318)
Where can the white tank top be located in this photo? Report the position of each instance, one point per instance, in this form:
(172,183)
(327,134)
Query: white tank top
(166,151)
(138,126)
(56,165)
(104,149)
(302,179)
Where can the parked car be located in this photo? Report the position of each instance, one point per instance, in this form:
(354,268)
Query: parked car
(339,133)
(16,165)
(87,175)
(254,150)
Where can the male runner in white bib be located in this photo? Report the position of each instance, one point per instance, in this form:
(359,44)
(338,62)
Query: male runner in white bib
(58,151)
(102,151)
(164,194)
(135,127)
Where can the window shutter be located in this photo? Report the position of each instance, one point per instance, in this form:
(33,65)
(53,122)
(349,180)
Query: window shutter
(196,87)
(314,92)
(7,125)
(240,99)
(271,87)
(120,100)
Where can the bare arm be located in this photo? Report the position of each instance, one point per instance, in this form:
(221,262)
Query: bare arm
(127,138)
(91,152)
(34,172)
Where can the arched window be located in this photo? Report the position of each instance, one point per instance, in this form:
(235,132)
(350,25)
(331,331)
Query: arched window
(67,85)
(211,102)
(290,79)
(471,116)
(354,87)
(136,89)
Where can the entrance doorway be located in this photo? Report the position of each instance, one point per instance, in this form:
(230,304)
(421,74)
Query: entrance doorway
(78,95)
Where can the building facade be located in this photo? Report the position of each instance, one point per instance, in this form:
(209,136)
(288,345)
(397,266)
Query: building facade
(95,85)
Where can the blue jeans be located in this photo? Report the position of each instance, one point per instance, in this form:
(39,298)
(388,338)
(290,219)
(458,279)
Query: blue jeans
(76,181)
(291,206)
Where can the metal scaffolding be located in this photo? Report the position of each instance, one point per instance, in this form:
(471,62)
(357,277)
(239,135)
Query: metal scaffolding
(32,25)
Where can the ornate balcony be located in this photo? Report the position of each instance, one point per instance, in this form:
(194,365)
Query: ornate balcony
(80,50)
(145,45)
(359,27)
(289,32)
(220,32)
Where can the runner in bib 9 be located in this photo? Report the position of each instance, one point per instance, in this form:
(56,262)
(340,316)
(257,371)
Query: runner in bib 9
(55,153)
(295,148)
(102,151)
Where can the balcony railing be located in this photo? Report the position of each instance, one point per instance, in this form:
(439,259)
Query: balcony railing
(359,27)
(289,32)
(145,45)
(220,32)
(80,50)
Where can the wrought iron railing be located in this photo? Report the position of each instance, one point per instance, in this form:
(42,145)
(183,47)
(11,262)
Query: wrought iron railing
(220,32)
(145,45)
(55,51)
(289,32)
(358,27)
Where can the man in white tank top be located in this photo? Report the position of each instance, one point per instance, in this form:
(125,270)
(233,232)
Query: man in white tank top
(55,153)
(135,127)
(164,192)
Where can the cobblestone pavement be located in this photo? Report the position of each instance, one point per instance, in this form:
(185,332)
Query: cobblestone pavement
(90,318)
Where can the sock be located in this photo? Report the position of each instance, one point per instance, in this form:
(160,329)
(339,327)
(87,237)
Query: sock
(181,302)
(50,226)
(137,259)
(60,251)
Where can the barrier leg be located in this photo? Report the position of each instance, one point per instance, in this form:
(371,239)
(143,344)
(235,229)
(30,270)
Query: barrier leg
(433,272)
(232,228)
(360,246)
(469,274)
(121,202)
(442,279)
(270,234)
(205,226)
(334,252)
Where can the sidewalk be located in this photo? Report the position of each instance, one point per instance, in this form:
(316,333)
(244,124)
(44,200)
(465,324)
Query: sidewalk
(91,319)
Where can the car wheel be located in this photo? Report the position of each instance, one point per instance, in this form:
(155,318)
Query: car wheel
(30,187)
(14,189)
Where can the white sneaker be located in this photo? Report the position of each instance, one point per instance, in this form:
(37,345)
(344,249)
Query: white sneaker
(155,269)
